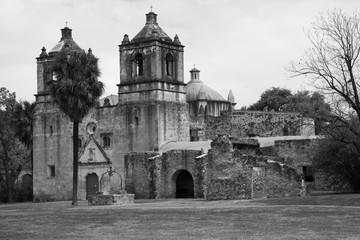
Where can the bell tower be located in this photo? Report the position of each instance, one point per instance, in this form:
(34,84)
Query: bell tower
(151,89)
(52,136)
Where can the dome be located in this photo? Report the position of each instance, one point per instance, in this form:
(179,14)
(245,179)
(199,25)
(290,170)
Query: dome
(151,30)
(65,41)
(196,90)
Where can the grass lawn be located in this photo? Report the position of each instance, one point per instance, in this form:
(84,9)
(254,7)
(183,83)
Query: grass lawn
(335,216)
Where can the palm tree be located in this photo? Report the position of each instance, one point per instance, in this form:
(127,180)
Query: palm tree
(76,90)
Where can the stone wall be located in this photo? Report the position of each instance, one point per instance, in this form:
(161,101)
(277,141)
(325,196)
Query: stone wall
(265,124)
(223,173)
(52,154)
(301,153)
(140,174)
(229,176)
(252,123)
(296,153)
(283,181)
(151,175)
(171,163)
(234,175)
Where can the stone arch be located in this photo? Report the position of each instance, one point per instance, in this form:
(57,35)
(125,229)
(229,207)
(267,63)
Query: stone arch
(92,184)
(138,64)
(169,64)
(182,184)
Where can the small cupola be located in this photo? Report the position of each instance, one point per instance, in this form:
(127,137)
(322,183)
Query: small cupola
(151,18)
(66,33)
(194,74)
(151,30)
(66,42)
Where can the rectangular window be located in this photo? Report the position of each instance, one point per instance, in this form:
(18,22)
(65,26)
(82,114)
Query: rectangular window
(308,173)
(194,135)
(106,140)
(51,170)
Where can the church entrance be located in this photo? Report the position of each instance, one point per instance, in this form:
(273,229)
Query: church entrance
(184,185)
(92,184)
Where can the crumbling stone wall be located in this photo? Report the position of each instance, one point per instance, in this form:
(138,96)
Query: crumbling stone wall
(234,175)
(140,174)
(177,160)
(228,176)
(224,173)
(300,153)
(252,123)
(296,153)
(265,124)
(151,175)
(220,125)
(283,181)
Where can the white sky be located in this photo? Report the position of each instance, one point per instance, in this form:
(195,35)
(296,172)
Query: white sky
(239,45)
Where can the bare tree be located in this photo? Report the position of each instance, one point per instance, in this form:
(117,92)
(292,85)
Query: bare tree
(332,63)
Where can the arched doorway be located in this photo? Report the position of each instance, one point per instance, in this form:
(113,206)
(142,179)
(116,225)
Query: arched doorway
(184,185)
(92,184)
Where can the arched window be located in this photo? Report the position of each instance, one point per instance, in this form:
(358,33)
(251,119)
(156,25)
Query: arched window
(139,64)
(106,141)
(169,64)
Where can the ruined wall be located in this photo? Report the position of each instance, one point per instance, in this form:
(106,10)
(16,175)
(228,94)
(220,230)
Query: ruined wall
(252,123)
(228,175)
(141,174)
(301,153)
(150,175)
(234,175)
(223,173)
(173,162)
(218,125)
(265,124)
(283,181)
(296,153)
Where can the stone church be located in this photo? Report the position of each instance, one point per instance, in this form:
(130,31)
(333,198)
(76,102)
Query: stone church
(164,137)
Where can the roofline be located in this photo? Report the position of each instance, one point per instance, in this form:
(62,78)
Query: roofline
(208,100)
(151,40)
(150,81)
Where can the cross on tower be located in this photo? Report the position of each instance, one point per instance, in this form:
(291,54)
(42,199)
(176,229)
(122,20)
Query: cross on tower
(66,23)
(151,7)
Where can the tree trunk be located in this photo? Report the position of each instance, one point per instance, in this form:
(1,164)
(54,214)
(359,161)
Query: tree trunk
(75,162)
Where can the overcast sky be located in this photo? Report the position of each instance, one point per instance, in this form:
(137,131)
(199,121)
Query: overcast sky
(239,45)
